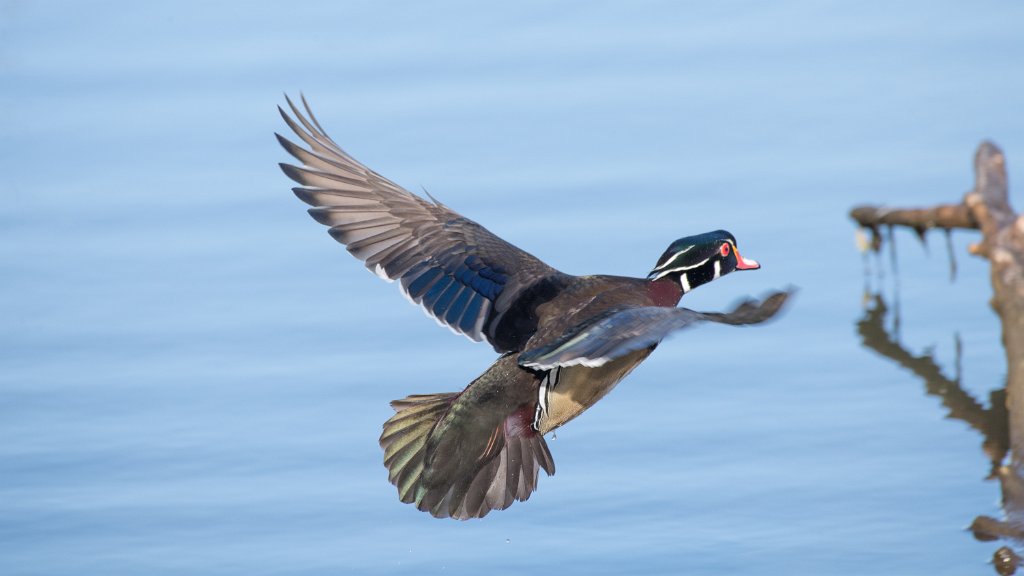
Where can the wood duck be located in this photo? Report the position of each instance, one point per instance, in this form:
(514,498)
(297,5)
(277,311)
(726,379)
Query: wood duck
(565,341)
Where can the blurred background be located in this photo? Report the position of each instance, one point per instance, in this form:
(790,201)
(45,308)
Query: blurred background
(193,375)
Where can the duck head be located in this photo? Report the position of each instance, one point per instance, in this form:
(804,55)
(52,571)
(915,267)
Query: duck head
(699,259)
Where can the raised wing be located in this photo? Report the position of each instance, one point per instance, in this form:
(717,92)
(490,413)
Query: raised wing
(618,332)
(460,273)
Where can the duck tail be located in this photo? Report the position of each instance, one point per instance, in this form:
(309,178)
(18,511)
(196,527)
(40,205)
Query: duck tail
(453,457)
(405,435)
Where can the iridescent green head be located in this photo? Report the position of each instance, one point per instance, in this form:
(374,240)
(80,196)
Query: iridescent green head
(699,259)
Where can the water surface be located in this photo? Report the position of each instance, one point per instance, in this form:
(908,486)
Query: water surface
(193,375)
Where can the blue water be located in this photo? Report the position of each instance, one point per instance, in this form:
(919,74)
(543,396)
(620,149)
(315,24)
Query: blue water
(193,375)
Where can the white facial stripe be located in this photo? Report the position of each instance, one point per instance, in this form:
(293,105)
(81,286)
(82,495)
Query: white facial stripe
(676,255)
(718,269)
(697,265)
(661,274)
(682,268)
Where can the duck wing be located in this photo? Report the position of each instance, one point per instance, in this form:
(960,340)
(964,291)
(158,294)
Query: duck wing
(463,275)
(617,332)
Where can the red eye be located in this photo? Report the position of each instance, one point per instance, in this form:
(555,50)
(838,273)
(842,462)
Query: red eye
(724,250)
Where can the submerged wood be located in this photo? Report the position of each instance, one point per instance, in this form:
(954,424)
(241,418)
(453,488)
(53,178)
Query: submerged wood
(987,208)
(1002,243)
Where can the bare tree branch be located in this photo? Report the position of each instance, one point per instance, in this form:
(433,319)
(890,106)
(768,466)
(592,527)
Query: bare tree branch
(986,208)
(942,216)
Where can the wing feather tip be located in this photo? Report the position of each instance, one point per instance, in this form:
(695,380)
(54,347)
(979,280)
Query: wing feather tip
(287,144)
(319,214)
(292,172)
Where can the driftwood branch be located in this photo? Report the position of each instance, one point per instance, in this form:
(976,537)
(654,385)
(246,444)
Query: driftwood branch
(921,219)
(986,208)
(1003,244)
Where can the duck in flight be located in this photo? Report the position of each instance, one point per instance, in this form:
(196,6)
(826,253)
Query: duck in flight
(564,341)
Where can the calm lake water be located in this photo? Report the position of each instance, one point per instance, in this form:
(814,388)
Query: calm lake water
(193,375)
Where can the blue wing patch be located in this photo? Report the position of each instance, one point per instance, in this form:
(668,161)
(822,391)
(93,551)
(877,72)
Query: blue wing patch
(455,292)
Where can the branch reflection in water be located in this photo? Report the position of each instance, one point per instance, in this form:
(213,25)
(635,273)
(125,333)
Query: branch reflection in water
(992,423)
